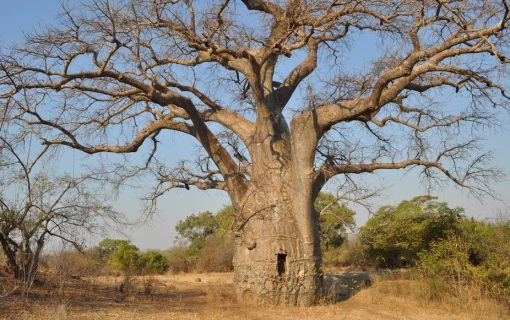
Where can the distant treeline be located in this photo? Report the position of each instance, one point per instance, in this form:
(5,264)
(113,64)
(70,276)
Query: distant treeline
(422,235)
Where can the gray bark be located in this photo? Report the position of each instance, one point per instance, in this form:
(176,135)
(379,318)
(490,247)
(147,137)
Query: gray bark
(274,260)
(277,258)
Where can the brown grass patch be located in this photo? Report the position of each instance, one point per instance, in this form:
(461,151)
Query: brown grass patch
(184,297)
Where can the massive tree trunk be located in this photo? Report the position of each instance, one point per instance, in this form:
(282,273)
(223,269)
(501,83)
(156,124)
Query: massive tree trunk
(277,256)
(144,74)
(275,260)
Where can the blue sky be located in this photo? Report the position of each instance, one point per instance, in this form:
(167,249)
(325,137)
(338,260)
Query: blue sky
(21,16)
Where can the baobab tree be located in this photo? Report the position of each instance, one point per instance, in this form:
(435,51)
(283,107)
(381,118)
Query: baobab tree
(262,87)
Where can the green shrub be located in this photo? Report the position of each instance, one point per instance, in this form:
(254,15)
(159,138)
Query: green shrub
(196,228)
(152,261)
(448,258)
(334,220)
(125,257)
(395,235)
(478,254)
(107,247)
(121,255)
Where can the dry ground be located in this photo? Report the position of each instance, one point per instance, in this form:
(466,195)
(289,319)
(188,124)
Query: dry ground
(210,296)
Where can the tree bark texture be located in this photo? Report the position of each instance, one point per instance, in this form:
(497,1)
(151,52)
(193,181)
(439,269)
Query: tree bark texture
(277,258)
(275,262)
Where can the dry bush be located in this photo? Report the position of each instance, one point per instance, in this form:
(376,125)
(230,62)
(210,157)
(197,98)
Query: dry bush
(216,293)
(134,285)
(350,254)
(68,267)
(8,285)
(471,295)
(216,255)
(128,284)
(407,289)
(149,285)
(177,260)
(75,264)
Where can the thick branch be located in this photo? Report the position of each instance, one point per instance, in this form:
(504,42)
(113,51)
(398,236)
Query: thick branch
(262,6)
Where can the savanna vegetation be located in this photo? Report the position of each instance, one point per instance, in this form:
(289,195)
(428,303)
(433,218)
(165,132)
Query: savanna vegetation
(420,252)
(273,95)
(205,240)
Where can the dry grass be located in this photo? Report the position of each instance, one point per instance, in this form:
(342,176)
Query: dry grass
(411,299)
(185,297)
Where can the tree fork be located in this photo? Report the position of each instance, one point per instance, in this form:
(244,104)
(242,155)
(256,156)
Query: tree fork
(144,73)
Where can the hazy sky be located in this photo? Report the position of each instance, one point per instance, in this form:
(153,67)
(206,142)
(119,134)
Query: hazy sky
(21,16)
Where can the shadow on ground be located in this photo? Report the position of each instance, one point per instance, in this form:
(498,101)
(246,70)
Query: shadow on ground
(341,286)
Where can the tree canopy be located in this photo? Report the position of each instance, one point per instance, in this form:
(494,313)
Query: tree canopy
(133,69)
(396,235)
(125,256)
(270,92)
(334,220)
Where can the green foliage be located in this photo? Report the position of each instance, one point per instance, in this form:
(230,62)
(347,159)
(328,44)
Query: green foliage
(478,253)
(224,219)
(196,228)
(395,235)
(208,242)
(442,244)
(107,247)
(334,219)
(125,257)
(446,257)
(152,261)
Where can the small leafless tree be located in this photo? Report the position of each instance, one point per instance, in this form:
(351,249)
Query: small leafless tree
(261,87)
(36,205)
